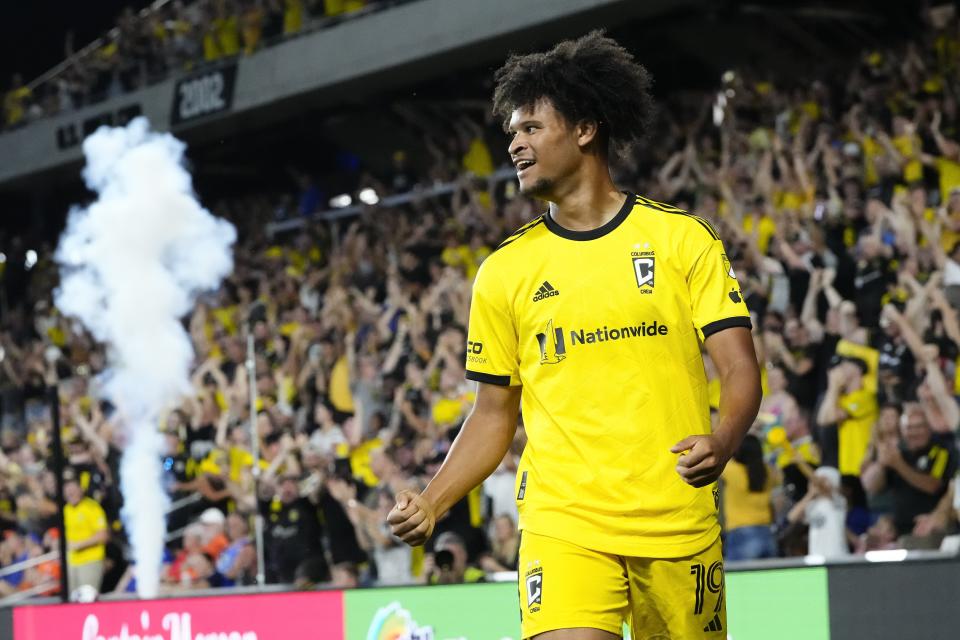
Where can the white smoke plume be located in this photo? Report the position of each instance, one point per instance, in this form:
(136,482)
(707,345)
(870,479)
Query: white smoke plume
(131,265)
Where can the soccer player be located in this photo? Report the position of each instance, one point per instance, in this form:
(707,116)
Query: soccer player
(592,316)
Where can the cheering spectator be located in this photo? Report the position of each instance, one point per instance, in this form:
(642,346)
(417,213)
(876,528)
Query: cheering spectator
(87,535)
(392,558)
(853,408)
(16,102)
(824,509)
(214,537)
(916,471)
(293,533)
(238,562)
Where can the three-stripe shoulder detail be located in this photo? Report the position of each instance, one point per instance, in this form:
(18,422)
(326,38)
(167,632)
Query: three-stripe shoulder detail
(667,208)
(519,232)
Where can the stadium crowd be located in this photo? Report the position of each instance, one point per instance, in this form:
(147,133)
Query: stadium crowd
(143,48)
(839,204)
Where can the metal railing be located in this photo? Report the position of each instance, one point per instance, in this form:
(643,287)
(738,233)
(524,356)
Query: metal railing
(17,567)
(59,68)
(26,594)
(310,25)
(185,501)
(331,215)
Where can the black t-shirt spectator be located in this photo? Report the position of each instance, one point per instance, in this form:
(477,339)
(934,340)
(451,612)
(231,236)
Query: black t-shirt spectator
(343,538)
(823,353)
(293,535)
(909,502)
(870,283)
(804,387)
(897,361)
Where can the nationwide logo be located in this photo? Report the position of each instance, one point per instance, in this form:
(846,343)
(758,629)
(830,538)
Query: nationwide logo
(642,330)
(393,622)
(553,340)
(546,290)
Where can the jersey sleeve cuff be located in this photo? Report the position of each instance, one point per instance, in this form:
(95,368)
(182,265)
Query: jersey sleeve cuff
(488,378)
(719,325)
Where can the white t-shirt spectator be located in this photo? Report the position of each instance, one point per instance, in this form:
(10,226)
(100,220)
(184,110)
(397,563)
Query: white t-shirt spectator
(499,488)
(828,530)
(951,273)
(393,563)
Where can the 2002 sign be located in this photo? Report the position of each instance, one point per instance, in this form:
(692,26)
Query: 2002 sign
(204,94)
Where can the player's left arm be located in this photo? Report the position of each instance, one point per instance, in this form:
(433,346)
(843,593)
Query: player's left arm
(723,323)
(732,352)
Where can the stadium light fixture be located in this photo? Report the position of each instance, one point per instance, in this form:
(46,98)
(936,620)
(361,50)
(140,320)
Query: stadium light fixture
(368,196)
(31,260)
(341,201)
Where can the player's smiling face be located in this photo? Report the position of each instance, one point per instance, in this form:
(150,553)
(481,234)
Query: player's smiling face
(544,148)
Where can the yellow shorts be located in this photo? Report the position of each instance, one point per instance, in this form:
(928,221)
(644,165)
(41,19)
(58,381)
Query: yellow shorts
(565,586)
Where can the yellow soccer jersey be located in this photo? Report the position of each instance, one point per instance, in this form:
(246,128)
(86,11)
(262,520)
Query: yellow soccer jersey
(602,328)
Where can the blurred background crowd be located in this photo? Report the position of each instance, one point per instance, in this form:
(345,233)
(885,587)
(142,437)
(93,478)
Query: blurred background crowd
(145,47)
(837,197)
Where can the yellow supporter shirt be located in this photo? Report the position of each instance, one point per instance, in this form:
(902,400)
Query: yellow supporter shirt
(14,104)
(854,432)
(807,449)
(603,330)
(742,507)
(339,390)
(478,160)
(82,522)
(228,35)
(360,461)
(251,28)
(871,149)
(338,7)
(766,229)
(211,46)
(949,172)
(292,16)
(909,148)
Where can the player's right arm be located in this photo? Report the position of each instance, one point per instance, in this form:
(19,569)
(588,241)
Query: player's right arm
(493,362)
(478,449)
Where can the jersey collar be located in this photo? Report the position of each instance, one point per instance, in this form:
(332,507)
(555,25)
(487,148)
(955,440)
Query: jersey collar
(592,234)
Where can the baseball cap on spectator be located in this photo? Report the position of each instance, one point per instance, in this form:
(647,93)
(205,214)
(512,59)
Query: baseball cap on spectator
(212,516)
(830,474)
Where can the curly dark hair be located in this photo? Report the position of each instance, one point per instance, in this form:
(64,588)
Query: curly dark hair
(592,78)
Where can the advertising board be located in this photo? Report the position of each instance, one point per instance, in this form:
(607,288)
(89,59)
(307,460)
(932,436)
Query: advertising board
(281,616)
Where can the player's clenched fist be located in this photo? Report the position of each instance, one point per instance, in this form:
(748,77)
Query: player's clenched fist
(412,519)
(702,459)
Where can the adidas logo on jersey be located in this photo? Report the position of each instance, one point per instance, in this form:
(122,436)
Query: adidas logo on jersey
(546,290)
(714,625)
